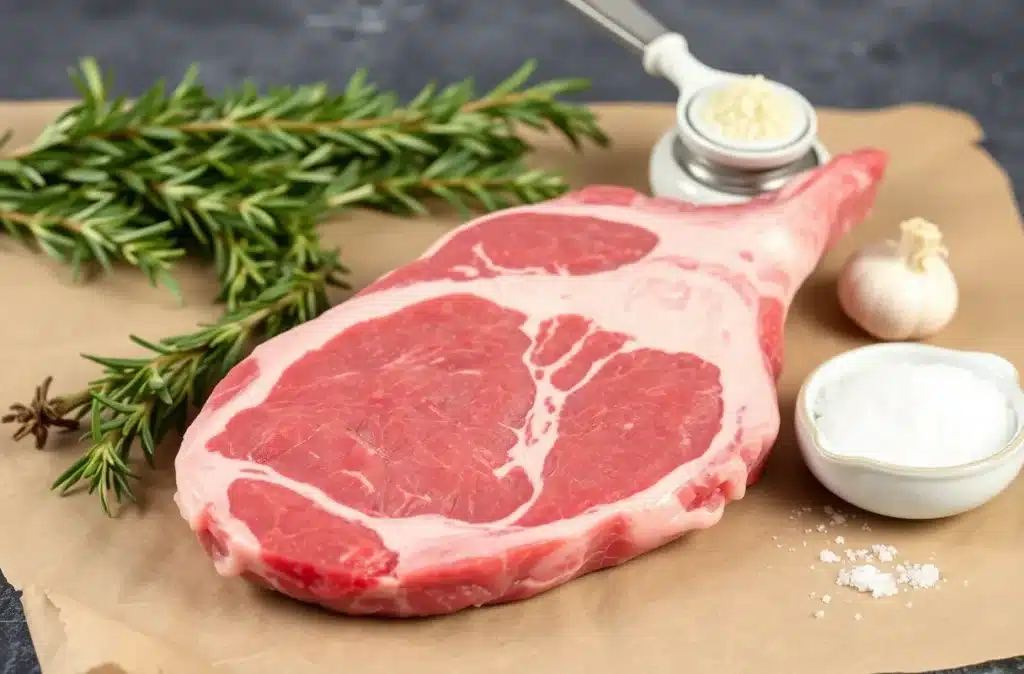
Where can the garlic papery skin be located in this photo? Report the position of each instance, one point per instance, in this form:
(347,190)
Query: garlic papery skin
(901,290)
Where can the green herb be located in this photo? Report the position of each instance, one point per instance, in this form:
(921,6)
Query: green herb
(141,399)
(244,179)
(141,181)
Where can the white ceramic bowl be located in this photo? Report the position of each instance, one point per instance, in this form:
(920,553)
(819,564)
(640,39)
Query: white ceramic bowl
(907,492)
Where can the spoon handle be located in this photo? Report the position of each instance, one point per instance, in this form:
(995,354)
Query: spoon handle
(630,23)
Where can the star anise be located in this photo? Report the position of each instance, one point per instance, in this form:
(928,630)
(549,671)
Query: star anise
(42,414)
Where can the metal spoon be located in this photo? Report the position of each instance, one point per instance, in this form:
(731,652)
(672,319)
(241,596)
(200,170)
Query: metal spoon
(666,54)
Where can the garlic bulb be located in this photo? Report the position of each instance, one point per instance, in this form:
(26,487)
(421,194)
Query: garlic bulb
(901,290)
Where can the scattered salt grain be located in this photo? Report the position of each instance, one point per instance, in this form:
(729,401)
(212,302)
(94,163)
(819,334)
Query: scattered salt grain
(919,575)
(861,555)
(868,579)
(873,569)
(828,557)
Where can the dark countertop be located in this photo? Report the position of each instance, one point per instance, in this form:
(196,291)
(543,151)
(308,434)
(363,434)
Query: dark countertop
(847,54)
(851,54)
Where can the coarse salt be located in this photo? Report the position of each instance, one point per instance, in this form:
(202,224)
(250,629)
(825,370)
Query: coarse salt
(868,579)
(828,557)
(924,415)
(885,553)
(919,575)
(858,555)
(873,569)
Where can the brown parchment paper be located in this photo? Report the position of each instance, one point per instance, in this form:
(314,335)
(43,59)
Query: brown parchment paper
(137,594)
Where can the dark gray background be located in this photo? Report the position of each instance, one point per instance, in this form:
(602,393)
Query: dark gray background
(848,53)
(851,53)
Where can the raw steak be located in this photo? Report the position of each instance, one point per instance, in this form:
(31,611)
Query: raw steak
(549,390)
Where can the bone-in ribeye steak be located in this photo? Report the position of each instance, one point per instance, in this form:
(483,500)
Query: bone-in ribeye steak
(549,390)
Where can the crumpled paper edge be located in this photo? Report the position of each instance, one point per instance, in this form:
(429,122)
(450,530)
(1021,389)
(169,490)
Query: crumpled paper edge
(70,638)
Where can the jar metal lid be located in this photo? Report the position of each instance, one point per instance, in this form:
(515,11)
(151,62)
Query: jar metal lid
(742,182)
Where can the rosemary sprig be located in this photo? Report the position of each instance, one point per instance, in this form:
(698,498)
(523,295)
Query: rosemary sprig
(359,120)
(89,227)
(246,233)
(139,400)
(244,179)
(139,181)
